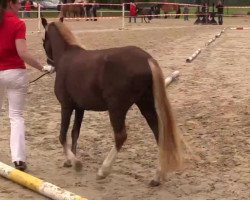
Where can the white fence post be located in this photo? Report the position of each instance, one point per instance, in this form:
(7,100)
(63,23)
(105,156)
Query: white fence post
(39,18)
(123,16)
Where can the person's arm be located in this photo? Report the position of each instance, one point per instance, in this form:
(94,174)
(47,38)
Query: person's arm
(23,52)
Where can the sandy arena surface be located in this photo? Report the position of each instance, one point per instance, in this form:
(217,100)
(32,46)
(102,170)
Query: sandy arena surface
(211,102)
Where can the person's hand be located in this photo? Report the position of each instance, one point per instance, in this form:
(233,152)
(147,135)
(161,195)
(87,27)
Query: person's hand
(48,68)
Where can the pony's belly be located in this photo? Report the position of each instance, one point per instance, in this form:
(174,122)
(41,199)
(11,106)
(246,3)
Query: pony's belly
(89,104)
(99,109)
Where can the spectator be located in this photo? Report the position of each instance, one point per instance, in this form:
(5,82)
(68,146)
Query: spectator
(88,7)
(27,8)
(186,12)
(132,11)
(205,10)
(94,8)
(178,12)
(220,11)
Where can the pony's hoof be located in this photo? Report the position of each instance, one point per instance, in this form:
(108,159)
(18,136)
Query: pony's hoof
(100,177)
(67,164)
(154,183)
(78,166)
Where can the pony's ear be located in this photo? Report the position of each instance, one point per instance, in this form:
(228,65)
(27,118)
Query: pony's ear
(44,22)
(61,19)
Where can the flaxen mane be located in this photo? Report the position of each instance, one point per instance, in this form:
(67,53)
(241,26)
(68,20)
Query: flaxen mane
(66,33)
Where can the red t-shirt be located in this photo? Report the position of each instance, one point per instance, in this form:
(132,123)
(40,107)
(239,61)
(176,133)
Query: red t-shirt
(11,28)
(27,6)
(132,9)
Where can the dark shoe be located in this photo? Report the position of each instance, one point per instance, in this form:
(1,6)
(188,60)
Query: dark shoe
(20,165)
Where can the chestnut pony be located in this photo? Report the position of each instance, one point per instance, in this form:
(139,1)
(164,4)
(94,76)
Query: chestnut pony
(110,80)
(166,8)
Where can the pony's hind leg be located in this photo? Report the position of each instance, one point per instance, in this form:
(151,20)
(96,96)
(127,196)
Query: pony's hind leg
(117,119)
(147,108)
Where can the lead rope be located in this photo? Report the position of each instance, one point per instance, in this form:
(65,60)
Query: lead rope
(42,74)
(38,77)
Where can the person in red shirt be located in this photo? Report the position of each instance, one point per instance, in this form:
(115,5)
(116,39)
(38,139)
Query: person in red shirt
(27,8)
(13,75)
(132,11)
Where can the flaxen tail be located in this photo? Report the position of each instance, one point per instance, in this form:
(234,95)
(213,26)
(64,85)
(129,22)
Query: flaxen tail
(170,156)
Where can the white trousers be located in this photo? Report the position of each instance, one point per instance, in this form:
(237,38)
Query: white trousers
(14,82)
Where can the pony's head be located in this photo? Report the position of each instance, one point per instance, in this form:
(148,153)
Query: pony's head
(57,38)
(46,43)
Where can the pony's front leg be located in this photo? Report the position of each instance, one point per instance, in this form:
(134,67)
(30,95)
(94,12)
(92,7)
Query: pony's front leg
(76,128)
(118,122)
(65,121)
(75,135)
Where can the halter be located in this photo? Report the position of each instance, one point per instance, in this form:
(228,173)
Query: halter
(50,60)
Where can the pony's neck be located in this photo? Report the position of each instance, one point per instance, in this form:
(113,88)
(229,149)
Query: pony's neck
(59,46)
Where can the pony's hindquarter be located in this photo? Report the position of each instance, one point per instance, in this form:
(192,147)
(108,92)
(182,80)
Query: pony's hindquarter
(169,143)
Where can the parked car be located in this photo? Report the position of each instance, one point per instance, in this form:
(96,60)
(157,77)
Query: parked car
(48,4)
(45,4)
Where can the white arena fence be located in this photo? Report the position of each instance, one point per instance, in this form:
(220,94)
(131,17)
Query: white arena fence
(119,13)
